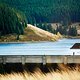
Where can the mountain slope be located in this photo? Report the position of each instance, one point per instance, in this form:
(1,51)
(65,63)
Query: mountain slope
(48,10)
(32,33)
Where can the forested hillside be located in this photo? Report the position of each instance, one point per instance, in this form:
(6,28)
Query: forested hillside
(38,11)
(42,13)
(11,21)
(14,27)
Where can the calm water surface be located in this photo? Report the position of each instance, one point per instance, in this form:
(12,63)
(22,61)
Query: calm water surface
(61,47)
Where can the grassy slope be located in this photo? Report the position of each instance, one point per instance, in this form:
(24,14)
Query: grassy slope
(32,33)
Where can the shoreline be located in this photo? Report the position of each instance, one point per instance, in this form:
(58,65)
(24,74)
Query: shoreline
(23,42)
(72,37)
(26,42)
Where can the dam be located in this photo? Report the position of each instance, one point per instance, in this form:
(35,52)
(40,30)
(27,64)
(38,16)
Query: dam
(40,52)
(40,59)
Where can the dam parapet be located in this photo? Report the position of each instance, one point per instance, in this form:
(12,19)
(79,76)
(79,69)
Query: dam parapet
(40,59)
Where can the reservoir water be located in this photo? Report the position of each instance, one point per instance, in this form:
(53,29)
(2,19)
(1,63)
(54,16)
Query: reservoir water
(60,47)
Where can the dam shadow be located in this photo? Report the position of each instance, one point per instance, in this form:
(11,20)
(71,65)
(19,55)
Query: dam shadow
(32,67)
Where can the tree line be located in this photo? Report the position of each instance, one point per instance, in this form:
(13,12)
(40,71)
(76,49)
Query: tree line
(70,30)
(37,11)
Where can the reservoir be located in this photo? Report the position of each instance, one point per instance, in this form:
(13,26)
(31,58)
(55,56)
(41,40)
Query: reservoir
(60,47)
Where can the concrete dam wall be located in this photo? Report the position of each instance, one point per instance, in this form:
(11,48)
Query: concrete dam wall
(40,59)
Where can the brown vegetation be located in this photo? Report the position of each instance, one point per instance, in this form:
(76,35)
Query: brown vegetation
(64,74)
(32,33)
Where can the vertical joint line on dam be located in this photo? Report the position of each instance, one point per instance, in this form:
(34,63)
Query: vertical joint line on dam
(23,59)
(44,60)
(4,60)
(65,60)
